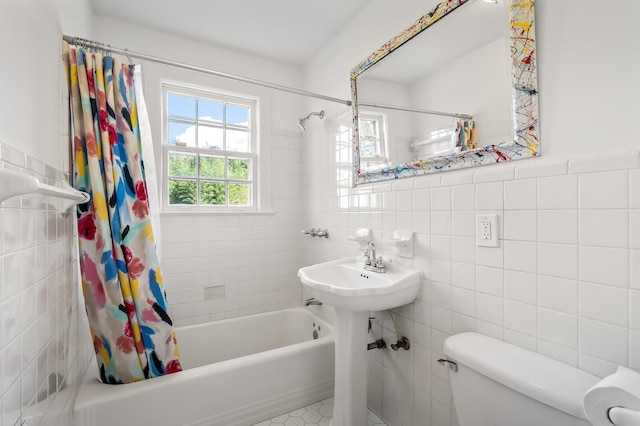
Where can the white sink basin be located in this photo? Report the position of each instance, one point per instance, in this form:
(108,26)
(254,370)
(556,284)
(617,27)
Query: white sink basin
(345,284)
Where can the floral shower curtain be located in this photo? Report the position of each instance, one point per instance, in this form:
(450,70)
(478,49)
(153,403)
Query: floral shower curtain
(132,331)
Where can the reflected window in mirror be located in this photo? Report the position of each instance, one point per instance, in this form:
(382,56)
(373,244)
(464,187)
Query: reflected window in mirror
(373,151)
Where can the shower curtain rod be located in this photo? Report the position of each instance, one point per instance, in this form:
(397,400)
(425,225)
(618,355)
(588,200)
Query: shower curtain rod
(131,54)
(421,111)
(144,56)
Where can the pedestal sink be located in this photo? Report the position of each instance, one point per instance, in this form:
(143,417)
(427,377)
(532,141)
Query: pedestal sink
(353,292)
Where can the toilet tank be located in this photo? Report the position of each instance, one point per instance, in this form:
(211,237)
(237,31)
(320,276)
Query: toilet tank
(499,384)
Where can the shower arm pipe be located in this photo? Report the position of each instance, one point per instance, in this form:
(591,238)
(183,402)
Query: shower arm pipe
(319,114)
(131,54)
(421,111)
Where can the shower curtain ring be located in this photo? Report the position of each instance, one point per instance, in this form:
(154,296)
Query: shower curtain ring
(126,52)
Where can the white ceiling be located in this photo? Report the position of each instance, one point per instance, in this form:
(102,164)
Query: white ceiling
(289,31)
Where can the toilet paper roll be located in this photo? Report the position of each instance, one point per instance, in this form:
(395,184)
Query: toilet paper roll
(621,389)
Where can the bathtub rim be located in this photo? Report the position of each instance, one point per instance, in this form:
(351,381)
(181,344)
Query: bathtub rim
(307,310)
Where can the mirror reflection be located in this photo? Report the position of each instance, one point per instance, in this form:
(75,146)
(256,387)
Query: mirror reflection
(445,93)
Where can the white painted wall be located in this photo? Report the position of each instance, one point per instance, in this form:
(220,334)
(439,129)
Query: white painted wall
(564,281)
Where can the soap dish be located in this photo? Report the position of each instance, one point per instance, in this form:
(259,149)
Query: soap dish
(403,241)
(362,235)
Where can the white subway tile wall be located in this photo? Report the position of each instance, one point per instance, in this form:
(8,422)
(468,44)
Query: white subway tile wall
(45,344)
(225,265)
(564,282)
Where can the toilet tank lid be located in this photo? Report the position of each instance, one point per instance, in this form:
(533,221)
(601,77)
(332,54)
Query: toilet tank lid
(539,377)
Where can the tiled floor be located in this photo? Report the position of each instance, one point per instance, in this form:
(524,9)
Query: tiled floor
(318,414)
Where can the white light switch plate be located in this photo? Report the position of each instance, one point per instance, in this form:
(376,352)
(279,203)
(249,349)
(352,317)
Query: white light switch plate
(487,230)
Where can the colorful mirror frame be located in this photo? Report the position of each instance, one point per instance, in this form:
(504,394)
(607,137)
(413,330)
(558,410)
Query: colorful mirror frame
(526,142)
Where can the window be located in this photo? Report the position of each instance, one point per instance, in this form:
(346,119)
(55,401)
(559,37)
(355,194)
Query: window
(210,150)
(372,140)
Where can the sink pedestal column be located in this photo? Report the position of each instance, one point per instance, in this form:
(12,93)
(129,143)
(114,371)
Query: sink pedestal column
(350,394)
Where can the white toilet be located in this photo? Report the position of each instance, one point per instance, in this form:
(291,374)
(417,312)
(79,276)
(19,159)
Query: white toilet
(495,383)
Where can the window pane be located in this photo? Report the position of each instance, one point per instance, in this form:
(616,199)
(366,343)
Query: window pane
(212,193)
(182,106)
(210,111)
(369,128)
(369,147)
(211,167)
(210,137)
(182,192)
(182,164)
(238,141)
(237,115)
(182,134)
(239,194)
(238,169)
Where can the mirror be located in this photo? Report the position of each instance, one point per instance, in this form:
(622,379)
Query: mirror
(456,89)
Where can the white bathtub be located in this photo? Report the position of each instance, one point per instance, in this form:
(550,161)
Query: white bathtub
(236,372)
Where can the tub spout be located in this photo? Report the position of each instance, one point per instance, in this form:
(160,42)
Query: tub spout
(312,301)
(378,344)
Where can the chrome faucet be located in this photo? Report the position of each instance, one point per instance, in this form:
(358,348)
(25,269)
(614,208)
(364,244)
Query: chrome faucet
(372,263)
(370,254)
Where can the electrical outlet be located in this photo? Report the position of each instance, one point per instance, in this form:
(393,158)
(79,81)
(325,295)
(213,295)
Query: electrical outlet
(487,230)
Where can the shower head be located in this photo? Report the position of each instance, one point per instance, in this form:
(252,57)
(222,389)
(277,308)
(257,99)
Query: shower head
(302,120)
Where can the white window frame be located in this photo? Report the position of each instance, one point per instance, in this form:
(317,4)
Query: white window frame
(383,156)
(217,96)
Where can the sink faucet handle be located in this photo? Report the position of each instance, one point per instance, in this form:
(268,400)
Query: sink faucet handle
(379,262)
